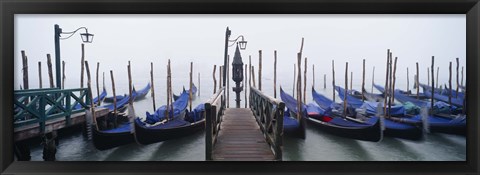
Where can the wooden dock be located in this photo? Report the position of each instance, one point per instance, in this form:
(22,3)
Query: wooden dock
(240,138)
(32,130)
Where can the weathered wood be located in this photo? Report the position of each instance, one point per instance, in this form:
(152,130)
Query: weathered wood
(363,80)
(259,70)
(241,138)
(417,83)
(92,106)
(390,82)
(386,83)
(153,86)
(245,83)
(461,84)
(275,74)
(253,76)
(25,70)
(115,113)
(458,82)
(220,77)
(346,91)
(333,79)
(50,71)
(82,66)
(130,101)
(103,79)
(190,90)
(98,84)
(40,84)
(29,131)
(433,82)
(449,84)
(299,84)
(394,80)
(249,70)
(305,82)
(214,79)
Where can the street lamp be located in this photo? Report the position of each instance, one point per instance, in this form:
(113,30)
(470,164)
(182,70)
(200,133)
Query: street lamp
(237,69)
(86,38)
(242,44)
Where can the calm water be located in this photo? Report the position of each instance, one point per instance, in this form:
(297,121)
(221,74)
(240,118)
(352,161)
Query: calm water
(318,146)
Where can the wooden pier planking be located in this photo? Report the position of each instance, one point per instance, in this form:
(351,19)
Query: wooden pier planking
(240,138)
(33,130)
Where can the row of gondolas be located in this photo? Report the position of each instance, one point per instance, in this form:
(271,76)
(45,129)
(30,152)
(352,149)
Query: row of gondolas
(166,122)
(409,118)
(363,118)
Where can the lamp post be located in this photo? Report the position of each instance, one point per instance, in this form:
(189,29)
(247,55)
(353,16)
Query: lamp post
(86,38)
(237,69)
(242,44)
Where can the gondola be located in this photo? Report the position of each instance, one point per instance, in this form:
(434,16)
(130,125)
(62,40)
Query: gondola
(370,107)
(369,130)
(194,91)
(404,128)
(181,123)
(293,126)
(121,135)
(437,123)
(140,95)
(438,96)
(444,92)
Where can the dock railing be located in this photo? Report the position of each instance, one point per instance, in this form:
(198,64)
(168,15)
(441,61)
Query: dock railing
(40,105)
(214,109)
(269,115)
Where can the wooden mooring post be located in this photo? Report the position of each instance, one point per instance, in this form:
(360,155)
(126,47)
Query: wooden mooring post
(214,79)
(373,78)
(433,82)
(40,84)
(50,71)
(259,70)
(417,83)
(82,66)
(294,79)
(346,92)
(408,83)
(324,81)
(386,84)
(449,84)
(333,80)
(115,113)
(458,82)
(394,80)
(98,84)
(363,81)
(25,71)
(313,75)
(63,75)
(275,74)
(305,82)
(253,76)
(198,83)
(190,88)
(153,86)
(438,69)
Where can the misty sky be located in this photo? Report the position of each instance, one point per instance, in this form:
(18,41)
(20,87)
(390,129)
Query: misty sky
(200,38)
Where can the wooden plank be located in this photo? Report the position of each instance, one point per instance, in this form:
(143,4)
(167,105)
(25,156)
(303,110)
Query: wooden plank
(240,138)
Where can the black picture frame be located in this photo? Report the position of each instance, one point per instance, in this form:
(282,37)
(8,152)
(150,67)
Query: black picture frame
(10,7)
